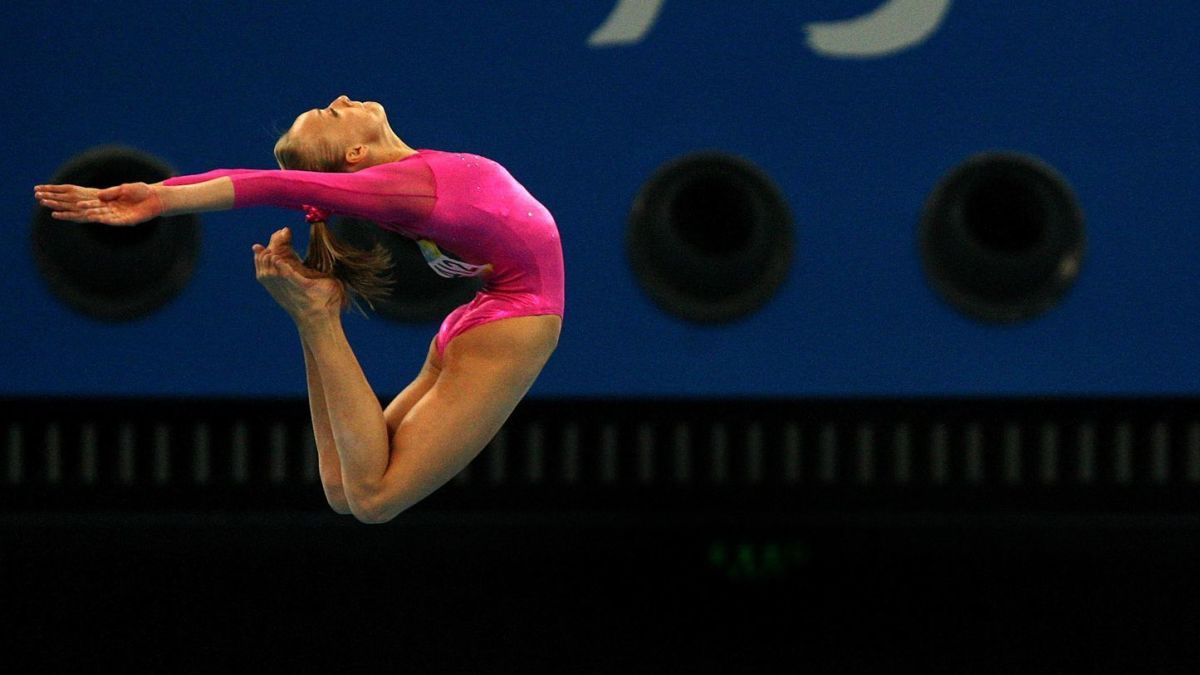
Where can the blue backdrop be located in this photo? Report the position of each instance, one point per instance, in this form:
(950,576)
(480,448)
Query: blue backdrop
(1106,92)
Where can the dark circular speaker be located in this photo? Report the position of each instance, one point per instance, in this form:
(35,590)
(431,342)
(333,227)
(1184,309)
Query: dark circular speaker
(710,237)
(115,273)
(1002,237)
(419,294)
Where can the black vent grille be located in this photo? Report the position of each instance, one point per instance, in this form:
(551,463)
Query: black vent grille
(569,453)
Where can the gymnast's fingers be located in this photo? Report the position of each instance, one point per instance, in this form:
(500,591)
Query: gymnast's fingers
(55,189)
(57,204)
(73,216)
(95,214)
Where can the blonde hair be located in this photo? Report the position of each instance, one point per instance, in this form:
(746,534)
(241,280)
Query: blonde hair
(365,274)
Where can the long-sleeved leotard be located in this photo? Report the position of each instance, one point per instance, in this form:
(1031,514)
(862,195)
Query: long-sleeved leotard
(457,202)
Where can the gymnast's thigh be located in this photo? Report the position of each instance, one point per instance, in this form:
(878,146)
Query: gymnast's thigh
(485,373)
(404,401)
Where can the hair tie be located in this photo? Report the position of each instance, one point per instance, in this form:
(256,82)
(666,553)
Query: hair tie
(315,214)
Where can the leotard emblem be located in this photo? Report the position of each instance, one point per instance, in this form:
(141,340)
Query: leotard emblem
(446,266)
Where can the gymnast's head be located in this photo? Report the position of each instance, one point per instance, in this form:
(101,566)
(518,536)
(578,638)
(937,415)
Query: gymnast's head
(344,136)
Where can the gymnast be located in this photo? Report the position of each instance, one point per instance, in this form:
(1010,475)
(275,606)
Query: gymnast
(376,461)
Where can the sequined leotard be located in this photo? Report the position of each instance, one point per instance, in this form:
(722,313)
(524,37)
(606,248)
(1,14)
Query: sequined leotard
(447,202)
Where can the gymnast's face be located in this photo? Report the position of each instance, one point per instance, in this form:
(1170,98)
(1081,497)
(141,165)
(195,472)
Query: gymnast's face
(343,123)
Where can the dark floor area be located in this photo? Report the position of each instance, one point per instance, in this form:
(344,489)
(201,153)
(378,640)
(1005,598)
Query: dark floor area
(602,592)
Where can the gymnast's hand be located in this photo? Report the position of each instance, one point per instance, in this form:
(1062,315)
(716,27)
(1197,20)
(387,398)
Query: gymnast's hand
(64,200)
(301,291)
(127,204)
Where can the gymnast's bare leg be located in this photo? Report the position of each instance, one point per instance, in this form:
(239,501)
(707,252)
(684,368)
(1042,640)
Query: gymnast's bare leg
(389,459)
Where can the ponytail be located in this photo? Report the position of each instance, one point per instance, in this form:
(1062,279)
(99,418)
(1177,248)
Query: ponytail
(364,274)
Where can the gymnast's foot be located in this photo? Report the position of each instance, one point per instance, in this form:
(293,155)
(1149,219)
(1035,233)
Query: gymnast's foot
(301,291)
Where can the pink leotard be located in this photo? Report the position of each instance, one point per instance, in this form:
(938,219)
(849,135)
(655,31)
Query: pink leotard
(447,202)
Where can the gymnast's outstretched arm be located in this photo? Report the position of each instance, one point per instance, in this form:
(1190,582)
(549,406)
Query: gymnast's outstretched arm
(133,203)
(386,192)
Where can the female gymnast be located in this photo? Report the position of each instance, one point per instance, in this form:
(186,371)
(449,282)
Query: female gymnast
(375,461)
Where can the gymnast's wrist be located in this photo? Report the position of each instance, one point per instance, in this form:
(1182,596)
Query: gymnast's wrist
(168,200)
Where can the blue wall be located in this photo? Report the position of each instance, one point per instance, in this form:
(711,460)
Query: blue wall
(1104,92)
